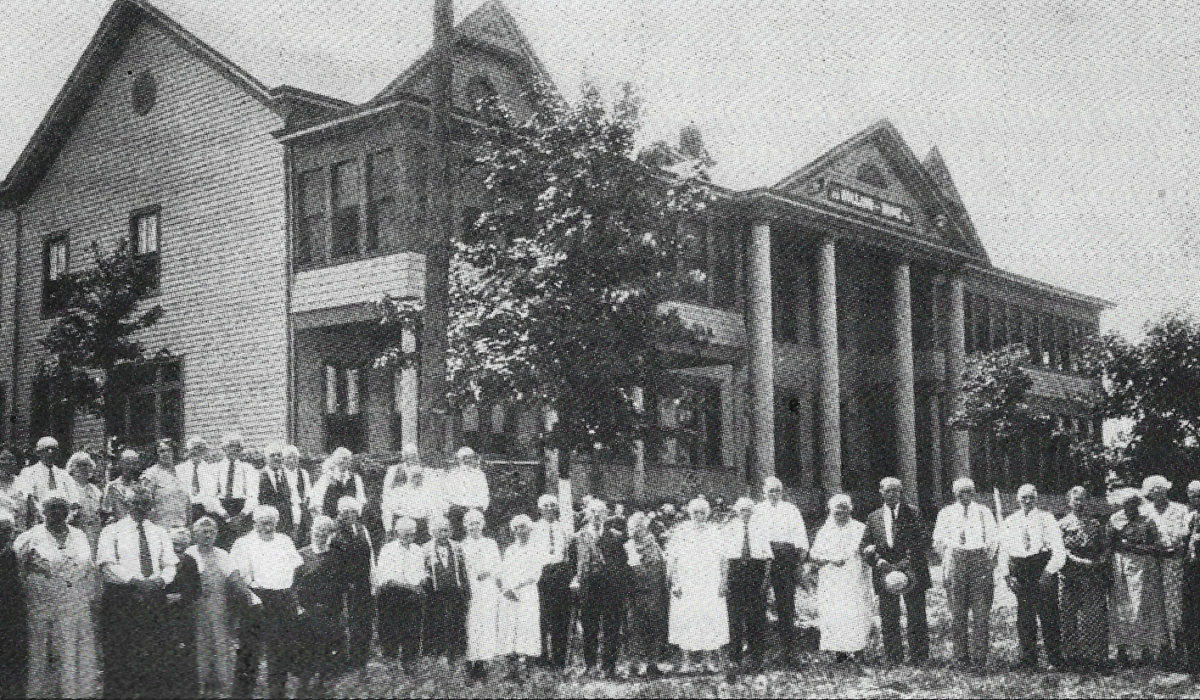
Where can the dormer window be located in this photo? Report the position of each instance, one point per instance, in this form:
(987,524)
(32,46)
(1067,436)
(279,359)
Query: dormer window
(143,93)
(872,175)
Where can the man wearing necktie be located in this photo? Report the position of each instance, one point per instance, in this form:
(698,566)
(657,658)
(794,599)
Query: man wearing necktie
(896,540)
(1032,553)
(44,476)
(550,534)
(137,561)
(238,489)
(748,553)
(601,575)
(966,537)
(201,482)
(274,489)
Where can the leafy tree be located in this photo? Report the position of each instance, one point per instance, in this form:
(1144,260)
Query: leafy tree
(997,402)
(96,332)
(1155,385)
(557,291)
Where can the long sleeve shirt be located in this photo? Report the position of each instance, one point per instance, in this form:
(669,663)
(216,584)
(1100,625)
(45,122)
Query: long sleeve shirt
(400,565)
(969,528)
(1026,534)
(243,483)
(782,523)
(35,481)
(552,538)
(269,565)
(466,487)
(118,552)
(736,543)
(190,472)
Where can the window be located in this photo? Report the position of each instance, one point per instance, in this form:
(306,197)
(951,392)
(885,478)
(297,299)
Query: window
(310,233)
(345,420)
(692,265)
(690,425)
(490,428)
(143,93)
(147,402)
(55,259)
(382,211)
(416,197)
(144,233)
(983,331)
(724,263)
(785,284)
(347,196)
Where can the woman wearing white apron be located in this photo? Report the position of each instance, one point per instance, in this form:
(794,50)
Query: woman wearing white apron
(482,558)
(844,600)
(520,635)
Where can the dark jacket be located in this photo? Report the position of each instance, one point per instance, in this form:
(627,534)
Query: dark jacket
(911,542)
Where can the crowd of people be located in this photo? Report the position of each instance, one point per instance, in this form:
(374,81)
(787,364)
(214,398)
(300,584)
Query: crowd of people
(181,579)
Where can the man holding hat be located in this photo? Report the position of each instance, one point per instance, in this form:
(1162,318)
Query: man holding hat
(43,477)
(896,541)
(553,538)
(785,530)
(1031,555)
(748,552)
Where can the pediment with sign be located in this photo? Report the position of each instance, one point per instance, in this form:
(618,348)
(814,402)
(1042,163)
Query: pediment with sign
(874,175)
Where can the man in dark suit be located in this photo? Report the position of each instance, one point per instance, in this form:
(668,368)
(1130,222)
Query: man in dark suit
(602,572)
(896,540)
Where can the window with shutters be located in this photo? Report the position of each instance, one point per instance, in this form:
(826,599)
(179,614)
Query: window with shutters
(490,428)
(55,259)
(312,209)
(146,403)
(382,209)
(144,234)
(347,197)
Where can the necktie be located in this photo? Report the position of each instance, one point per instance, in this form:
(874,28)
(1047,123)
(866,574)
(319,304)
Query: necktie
(229,480)
(745,540)
(281,482)
(144,551)
(966,513)
(53,481)
(1028,536)
(551,528)
(195,479)
(895,513)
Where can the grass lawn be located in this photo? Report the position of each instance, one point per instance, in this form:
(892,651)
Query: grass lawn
(816,678)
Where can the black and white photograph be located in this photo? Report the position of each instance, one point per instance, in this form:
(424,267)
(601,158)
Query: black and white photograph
(599,348)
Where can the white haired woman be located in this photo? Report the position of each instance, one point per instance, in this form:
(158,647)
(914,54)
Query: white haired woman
(1137,620)
(699,619)
(845,604)
(354,557)
(220,584)
(520,628)
(1173,521)
(319,596)
(482,558)
(60,585)
(85,497)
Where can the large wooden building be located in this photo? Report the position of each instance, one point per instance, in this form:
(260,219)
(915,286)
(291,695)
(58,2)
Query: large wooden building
(841,300)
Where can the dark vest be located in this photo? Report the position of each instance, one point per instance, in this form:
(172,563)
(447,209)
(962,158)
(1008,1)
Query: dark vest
(278,498)
(335,492)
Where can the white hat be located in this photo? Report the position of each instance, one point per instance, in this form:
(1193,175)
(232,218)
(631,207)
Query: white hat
(1153,482)
(772,483)
(546,500)
(47,443)
(349,503)
(962,484)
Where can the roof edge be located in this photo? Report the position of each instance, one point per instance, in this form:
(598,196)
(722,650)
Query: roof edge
(1045,287)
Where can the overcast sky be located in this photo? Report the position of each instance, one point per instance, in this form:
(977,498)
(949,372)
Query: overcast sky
(1069,126)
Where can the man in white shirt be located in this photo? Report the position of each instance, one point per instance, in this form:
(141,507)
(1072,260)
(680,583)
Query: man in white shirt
(136,561)
(198,477)
(554,537)
(43,476)
(749,553)
(300,487)
(267,561)
(237,486)
(967,538)
(783,526)
(1031,555)
(465,488)
(896,539)
(399,577)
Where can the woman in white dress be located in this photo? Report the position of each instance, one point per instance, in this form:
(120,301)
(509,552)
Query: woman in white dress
(844,600)
(482,559)
(698,622)
(520,630)
(60,586)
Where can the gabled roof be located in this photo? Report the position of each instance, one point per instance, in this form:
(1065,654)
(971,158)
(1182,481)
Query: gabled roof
(884,135)
(81,87)
(491,26)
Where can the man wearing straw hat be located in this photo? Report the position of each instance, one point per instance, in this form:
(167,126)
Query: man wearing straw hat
(894,545)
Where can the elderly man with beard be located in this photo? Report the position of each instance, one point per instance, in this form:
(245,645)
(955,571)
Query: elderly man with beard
(137,561)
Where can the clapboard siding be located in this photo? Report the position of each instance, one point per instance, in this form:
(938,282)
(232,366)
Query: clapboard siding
(206,156)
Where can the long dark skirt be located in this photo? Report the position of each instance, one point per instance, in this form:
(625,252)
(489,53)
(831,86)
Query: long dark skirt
(446,623)
(133,637)
(13,631)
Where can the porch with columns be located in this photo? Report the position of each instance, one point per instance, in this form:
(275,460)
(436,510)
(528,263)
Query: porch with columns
(923,451)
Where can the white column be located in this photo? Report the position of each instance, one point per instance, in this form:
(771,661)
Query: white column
(958,457)
(408,396)
(639,452)
(761,351)
(905,395)
(829,399)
